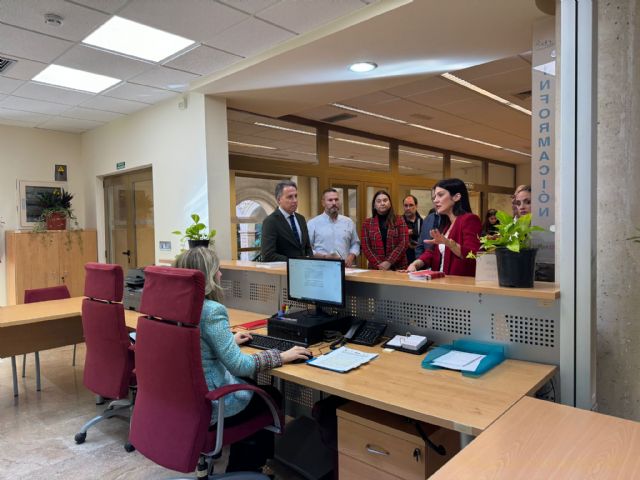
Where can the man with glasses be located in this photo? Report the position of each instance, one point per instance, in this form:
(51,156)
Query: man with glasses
(414,222)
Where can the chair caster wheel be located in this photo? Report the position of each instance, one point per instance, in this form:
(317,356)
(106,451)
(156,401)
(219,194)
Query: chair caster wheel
(128,447)
(80,438)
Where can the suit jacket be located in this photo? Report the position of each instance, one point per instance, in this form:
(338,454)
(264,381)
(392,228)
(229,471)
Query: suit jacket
(278,242)
(397,243)
(465,232)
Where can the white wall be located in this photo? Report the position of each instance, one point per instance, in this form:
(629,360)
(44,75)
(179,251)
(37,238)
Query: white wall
(173,142)
(31,154)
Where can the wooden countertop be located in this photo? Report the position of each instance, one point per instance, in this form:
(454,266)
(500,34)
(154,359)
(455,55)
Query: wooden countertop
(536,439)
(451,283)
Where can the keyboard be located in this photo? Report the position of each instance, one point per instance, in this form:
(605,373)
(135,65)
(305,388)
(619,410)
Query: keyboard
(266,342)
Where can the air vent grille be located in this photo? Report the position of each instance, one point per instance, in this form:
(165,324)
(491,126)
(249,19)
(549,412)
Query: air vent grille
(5,63)
(338,118)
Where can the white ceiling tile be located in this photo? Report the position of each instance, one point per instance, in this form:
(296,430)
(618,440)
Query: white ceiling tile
(35,106)
(8,85)
(198,20)
(167,78)
(250,37)
(114,104)
(300,16)
(69,124)
(30,45)
(139,93)
(105,63)
(44,92)
(203,60)
(109,6)
(77,21)
(23,69)
(250,6)
(91,114)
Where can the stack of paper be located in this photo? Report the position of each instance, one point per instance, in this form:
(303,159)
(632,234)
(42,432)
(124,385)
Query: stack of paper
(342,359)
(271,264)
(410,342)
(457,360)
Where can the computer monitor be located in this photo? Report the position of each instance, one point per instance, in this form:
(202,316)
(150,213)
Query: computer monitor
(318,281)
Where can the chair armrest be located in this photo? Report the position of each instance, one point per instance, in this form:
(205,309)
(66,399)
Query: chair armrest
(236,387)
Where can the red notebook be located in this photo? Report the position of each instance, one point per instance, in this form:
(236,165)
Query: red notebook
(253,325)
(425,275)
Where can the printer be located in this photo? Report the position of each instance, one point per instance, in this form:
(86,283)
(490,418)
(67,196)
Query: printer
(133,285)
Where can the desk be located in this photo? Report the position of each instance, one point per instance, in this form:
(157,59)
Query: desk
(536,439)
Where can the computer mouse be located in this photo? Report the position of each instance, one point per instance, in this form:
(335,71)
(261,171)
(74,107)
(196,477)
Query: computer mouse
(303,360)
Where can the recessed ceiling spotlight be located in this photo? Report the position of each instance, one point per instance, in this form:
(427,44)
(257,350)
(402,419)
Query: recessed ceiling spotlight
(363,67)
(53,20)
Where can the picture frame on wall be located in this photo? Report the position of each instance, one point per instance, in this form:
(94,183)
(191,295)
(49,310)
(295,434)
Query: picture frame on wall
(28,193)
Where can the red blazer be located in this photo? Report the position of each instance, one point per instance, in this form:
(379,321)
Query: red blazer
(465,232)
(397,243)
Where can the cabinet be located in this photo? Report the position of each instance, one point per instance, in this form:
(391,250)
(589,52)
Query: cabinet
(373,443)
(46,259)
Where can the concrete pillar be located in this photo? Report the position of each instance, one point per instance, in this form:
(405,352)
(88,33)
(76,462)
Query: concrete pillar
(618,210)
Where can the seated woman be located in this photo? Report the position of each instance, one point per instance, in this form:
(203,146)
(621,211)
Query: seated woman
(224,363)
(457,235)
(384,236)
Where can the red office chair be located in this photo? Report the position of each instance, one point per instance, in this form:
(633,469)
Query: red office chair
(108,364)
(171,422)
(32,296)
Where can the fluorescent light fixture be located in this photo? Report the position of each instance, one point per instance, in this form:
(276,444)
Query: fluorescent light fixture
(424,155)
(137,40)
(458,160)
(251,145)
(363,67)
(286,129)
(75,79)
(364,144)
(429,129)
(484,92)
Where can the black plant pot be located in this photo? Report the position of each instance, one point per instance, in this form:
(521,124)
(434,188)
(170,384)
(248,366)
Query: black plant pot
(516,269)
(198,243)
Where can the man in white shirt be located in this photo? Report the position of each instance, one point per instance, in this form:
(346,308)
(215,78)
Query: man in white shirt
(333,235)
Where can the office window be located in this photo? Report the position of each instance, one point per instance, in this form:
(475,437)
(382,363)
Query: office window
(502,175)
(466,169)
(358,152)
(263,137)
(500,201)
(420,163)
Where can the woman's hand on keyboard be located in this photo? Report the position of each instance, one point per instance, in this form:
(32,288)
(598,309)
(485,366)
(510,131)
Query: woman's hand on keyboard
(241,337)
(295,353)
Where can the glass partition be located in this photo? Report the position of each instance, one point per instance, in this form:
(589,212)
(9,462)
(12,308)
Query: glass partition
(420,163)
(358,152)
(502,175)
(466,169)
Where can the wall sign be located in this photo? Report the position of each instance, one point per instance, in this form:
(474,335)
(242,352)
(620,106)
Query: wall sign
(60,174)
(120,166)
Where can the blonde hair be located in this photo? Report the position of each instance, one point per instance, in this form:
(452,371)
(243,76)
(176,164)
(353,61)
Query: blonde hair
(205,260)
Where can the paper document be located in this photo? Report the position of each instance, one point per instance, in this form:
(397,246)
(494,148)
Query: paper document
(351,271)
(410,342)
(271,264)
(342,359)
(456,360)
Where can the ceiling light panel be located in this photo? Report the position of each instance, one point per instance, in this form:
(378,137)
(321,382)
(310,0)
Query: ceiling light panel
(137,40)
(66,77)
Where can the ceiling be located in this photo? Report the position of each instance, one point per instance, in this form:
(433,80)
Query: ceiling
(289,57)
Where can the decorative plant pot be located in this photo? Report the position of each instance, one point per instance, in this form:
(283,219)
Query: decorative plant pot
(198,243)
(516,269)
(56,221)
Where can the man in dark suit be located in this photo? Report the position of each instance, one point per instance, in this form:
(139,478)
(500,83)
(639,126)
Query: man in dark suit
(284,232)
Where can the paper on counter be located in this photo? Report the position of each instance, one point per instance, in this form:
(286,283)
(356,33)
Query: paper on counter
(351,271)
(342,359)
(271,265)
(457,360)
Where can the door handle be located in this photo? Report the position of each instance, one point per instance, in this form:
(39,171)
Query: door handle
(376,450)
(128,254)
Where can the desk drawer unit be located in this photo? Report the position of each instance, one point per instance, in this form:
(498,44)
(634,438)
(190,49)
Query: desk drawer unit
(376,444)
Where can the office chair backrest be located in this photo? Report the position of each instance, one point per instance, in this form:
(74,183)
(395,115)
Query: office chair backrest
(172,414)
(108,362)
(44,294)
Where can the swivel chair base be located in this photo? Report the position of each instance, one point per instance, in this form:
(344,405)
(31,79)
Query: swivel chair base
(117,408)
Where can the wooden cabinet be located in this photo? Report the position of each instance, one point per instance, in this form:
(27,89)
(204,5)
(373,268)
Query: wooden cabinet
(46,259)
(373,443)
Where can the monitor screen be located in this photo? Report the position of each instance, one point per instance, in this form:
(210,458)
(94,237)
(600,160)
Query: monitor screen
(316,280)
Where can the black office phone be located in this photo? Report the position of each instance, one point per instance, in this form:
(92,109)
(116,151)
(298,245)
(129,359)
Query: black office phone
(365,332)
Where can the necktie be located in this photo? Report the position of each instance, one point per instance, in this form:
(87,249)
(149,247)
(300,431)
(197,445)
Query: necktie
(293,227)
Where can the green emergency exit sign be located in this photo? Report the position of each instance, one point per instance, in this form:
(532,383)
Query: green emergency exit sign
(120,166)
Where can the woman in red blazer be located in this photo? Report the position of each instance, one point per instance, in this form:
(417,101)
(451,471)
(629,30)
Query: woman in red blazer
(457,235)
(384,236)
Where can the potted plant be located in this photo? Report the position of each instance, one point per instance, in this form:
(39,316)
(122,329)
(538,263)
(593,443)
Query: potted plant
(196,233)
(512,245)
(56,210)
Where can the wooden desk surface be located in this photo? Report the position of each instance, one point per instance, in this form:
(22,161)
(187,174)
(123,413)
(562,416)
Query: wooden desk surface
(541,440)
(451,283)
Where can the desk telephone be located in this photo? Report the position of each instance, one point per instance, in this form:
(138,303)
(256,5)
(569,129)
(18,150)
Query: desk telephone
(364,332)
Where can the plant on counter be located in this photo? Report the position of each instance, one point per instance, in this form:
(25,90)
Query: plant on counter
(512,246)
(56,210)
(196,234)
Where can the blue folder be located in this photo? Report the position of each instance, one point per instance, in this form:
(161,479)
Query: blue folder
(494,355)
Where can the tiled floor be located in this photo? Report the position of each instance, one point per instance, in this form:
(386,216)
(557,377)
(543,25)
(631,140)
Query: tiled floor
(37,428)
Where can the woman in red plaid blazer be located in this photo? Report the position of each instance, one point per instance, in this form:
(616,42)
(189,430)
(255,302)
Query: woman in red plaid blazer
(384,236)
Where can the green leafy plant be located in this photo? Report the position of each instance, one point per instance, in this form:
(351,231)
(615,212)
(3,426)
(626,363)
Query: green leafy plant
(196,231)
(513,234)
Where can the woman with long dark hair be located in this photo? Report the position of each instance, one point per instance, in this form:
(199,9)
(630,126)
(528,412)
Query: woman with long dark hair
(490,222)
(384,235)
(457,235)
